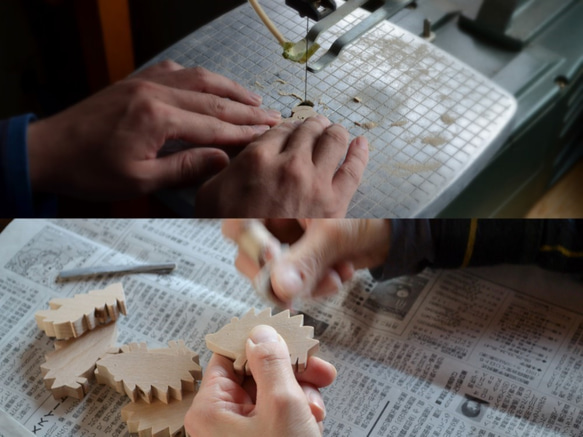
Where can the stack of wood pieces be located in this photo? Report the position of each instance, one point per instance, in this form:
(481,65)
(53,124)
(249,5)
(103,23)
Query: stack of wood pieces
(161,383)
(230,340)
(85,330)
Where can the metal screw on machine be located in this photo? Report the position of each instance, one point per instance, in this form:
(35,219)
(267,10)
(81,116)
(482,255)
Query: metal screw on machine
(313,9)
(387,10)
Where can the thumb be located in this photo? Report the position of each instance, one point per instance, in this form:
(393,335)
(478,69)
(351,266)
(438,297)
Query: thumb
(189,167)
(269,361)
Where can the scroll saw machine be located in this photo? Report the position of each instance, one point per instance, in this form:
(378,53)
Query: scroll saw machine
(471,107)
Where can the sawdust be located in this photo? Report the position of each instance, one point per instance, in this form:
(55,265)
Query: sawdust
(297,96)
(283,82)
(448,119)
(434,141)
(302,112)
(258,85)
(366,125)
(399,123)
(403,170)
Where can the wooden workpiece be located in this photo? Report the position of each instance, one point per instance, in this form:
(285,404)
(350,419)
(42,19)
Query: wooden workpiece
(68,369)
(72,317)
(157,419)
(230,340)
(303,112)
(162,374)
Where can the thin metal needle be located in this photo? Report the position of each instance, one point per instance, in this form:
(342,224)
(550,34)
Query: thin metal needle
(306,66)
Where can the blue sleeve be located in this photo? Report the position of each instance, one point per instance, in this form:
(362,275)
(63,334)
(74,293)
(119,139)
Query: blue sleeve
(16,197)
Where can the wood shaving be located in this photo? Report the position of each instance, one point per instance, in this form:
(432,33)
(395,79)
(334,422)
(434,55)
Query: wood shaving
(447,119)
(369,125)
(434,141)
(257,84)
(357,99)
(283,82)
(399,123)
(297,96)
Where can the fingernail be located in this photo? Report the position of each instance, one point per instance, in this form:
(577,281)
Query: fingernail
(361,143)
(316,400)
(273,114)
(255,98)
(323,120)
(263,334)
(289,280)
(261,128)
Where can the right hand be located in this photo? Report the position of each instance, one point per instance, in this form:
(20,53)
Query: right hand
(290,171)
(323,253)
(273,402)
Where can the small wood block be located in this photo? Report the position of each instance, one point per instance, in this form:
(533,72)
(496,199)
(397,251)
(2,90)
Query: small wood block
(157,419)
(72,317)
(230,340)
(68,369)
(302,112)
(162,374)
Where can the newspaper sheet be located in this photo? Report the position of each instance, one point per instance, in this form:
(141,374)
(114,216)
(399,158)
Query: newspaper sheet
(443,353)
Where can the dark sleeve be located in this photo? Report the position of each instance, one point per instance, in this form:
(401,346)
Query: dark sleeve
(451,243)
(16,197)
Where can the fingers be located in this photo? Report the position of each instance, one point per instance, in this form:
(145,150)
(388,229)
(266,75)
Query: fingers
(204,129)
(188,167)
(220,107)
(200,79)
(331,148)
(347,178)
(269,362)
(311,258)
(306,135)
(159,69)
(315,401)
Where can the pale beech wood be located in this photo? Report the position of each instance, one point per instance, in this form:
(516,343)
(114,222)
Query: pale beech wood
(157,419)
(302,112)
(162,374)
(67,370)
(230,340)
(72,317)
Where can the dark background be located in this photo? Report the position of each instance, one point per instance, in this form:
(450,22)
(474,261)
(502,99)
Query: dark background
(42,65)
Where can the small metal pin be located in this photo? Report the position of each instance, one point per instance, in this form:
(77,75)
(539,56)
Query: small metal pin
(427,33)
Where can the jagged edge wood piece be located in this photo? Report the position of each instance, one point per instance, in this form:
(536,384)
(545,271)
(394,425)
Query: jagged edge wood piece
(162,374)
(157,419)
(67,370)
(230,340)
(72,317)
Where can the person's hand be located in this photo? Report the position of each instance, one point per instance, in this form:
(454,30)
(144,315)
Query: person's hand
(290,171)
(107,147)
(322,255)
(273,402)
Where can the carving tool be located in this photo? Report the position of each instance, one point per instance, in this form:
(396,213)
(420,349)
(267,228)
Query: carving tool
(259,244)
(100,270)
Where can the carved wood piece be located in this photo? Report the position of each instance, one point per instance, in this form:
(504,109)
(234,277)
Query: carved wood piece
(162,374)
(230,340)
(157,419)
(72,317)
(302,112)
(67,370)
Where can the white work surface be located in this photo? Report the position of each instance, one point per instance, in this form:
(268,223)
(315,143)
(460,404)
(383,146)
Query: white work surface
(409,352)
(436,121)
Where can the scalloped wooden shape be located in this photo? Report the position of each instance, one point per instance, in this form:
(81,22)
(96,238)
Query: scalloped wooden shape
(162,374)
(67,370)
(157,419)
(230,340)
(72,317)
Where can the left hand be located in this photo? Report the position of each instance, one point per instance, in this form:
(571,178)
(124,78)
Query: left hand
(274,402)
(106,147)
